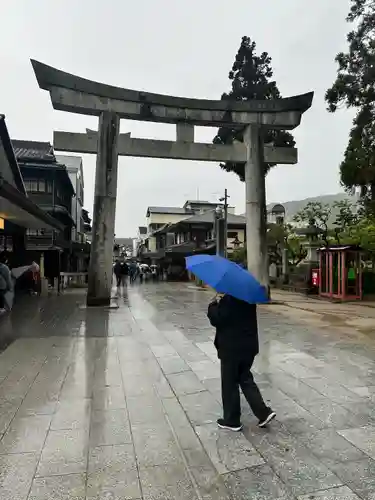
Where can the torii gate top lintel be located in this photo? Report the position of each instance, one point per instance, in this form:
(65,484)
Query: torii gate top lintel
(75,94)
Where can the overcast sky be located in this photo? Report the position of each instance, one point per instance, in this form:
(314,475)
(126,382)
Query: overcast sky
(183,48)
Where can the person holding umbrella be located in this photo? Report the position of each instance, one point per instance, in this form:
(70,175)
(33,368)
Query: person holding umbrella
(233,313)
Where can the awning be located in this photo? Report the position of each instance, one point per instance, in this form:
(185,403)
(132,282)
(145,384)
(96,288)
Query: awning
(15,207)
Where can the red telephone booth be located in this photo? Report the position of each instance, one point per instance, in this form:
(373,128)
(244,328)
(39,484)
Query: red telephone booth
(340,272)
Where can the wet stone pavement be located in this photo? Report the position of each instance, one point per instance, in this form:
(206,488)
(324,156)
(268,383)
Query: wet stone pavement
(122,404)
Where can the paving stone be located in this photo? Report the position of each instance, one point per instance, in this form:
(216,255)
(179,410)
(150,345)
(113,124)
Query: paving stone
(359,476)
(109,427)
(163,350)
(210,483)
(67,487)
(114,486)
(259,483)
(162,386)
(72,416)
(330,447)
(138,385)
(335,392)
(185,383)
(362,414)
(109,398)
(205,370)
(292,461)
(365,391)
(302,426)
(228,451)
(111,459)
(8,409)
(155,445)
(201,408)
(173,364)
(341,493)
(331,413)
(16,475)
(363,438)
(143,409)
(25,435)
(64,452)
(167,483)
(38,404)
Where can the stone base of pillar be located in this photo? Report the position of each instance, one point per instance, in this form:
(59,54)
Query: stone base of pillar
(98,301)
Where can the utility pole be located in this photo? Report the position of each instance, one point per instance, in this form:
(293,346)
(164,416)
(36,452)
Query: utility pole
(225,200)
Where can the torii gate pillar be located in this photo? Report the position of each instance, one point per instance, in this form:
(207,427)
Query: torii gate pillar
(103,230)
(256,212)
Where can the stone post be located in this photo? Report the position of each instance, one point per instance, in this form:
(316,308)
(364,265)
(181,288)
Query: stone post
(257,258)
(285,265)
(103,228)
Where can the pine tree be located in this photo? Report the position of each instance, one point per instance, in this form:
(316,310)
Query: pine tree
(355,88)
(251,78)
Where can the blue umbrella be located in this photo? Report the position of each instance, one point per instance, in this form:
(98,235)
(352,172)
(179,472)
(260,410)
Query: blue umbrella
(228,277)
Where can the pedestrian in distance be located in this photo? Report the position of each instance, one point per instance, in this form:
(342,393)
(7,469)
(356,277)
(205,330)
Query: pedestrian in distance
(237,345)
(132,271)
(117,271)
(124,271)
(6,285)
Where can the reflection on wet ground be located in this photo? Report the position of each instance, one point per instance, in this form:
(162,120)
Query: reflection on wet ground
(122,404)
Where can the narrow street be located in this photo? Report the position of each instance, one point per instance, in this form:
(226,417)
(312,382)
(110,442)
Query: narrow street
(122,404)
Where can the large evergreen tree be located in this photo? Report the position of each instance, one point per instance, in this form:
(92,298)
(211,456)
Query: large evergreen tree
(251,78)
(355,88)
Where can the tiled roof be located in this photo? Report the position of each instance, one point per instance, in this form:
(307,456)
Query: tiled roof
(209,217)
(168,210)
(9,168)
(33,151)
(198,202)
(126,242)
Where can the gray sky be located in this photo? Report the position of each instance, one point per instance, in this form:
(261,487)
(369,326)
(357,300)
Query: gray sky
(181,48)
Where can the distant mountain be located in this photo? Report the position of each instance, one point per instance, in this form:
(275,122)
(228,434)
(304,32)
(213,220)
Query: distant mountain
(292,207)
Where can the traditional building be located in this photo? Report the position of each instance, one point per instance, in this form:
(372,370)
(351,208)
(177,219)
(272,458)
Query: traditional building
(18,212)
(174,233)
(48,185)
(81,230)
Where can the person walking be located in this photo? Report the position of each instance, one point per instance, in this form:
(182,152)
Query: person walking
(6,286)
(117,271)
(124,271)
(132,271)
(237,345)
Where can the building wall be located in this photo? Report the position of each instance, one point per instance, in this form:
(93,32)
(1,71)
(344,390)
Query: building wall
(165,218)
(152,244)
(74,167)
(240,236)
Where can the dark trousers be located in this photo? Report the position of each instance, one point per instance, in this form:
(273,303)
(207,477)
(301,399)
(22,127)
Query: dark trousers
(236,374)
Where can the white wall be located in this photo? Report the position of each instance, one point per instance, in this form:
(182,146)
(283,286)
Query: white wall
(74,167)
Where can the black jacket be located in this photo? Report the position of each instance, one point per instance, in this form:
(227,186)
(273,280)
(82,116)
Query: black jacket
(236,328)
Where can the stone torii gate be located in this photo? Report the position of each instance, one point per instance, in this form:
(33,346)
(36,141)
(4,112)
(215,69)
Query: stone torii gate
(78,95)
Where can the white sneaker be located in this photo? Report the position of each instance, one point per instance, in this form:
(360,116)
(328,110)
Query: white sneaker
(266,421)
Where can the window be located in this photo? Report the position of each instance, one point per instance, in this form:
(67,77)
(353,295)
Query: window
(232,234)
(39,232)
(42,186)
(38,186)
